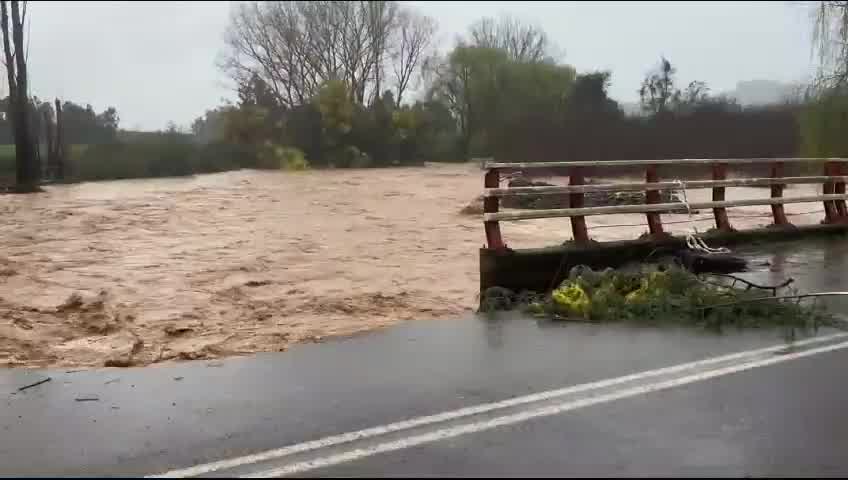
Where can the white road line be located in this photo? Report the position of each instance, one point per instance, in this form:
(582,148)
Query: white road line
(445,433)
(334,440)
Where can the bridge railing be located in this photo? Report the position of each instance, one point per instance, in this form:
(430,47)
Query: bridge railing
(833,181)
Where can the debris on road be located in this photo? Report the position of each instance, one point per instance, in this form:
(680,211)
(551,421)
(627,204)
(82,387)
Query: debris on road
(664,293)
(25,387)
(88,398)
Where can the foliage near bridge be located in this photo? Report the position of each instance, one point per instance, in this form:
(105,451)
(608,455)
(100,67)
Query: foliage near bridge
(660,294)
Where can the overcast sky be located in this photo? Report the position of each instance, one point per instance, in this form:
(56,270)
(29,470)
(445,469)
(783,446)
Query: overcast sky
(155,61)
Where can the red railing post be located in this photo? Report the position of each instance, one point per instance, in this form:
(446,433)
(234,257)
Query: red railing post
(777,192)
(490,205)
(575,200)
(720,213)
(828,188)
(653,196)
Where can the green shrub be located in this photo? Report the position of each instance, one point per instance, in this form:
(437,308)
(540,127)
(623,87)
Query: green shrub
(292,159)
(357,159)
(278,157)
(7,160)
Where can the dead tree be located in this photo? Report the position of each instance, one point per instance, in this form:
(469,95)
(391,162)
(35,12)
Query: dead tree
(50,141)
(27,170)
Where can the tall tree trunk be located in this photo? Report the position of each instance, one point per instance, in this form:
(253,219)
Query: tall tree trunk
(26,165)
(50,141)
(61,150)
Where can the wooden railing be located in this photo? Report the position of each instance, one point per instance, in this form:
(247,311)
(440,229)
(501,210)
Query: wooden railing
(833,195)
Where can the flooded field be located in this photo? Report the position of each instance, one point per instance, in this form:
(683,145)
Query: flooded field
(142,271)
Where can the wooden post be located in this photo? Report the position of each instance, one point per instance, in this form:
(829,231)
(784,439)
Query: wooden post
(653,196)
(828,188)
(575,200)
(720,213)
(777,192)
(490,205)
(839,189)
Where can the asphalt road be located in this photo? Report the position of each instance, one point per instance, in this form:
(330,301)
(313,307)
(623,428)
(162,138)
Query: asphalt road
(781,421)
(148,421)
(503,397)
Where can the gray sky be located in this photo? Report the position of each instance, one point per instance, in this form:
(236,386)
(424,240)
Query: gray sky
(155,61)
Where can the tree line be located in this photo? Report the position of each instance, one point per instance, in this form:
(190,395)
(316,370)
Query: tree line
(336,82)
(82,124)
(361,83)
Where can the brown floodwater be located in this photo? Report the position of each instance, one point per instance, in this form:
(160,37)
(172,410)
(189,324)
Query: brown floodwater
(135,272)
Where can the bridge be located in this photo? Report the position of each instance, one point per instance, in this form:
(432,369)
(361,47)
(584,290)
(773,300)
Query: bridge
(539,268)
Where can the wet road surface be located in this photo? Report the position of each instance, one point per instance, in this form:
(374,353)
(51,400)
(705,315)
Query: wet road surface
(777,419)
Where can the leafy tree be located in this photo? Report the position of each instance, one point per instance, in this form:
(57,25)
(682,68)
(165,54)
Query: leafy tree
(85,126)
(589,96)
(246,125)
(657,93)
(484,89)
(824,123)
(335,104)
(256,93)
(465,81)
(210,127)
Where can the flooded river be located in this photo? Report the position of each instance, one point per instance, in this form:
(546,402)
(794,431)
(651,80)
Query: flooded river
(143,271)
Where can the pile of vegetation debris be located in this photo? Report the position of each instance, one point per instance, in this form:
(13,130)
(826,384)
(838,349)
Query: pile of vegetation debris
(592,199)
(654,294)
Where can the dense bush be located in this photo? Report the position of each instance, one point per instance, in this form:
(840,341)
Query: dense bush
(824,126)
(157,159)
(730,133)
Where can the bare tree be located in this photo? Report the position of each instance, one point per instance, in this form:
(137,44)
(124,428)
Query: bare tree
(830,42)
(382,21)
(26,165)
(523,41)
(415,37)
(295,46)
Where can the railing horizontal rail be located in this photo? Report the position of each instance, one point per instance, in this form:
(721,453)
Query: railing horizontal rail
(636,163)
(643,186)
(647,208)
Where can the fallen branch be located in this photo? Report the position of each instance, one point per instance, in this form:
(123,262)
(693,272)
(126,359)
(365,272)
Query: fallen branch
(782,297)
(749,285)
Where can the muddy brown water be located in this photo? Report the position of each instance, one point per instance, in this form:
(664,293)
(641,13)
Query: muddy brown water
(142,271)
